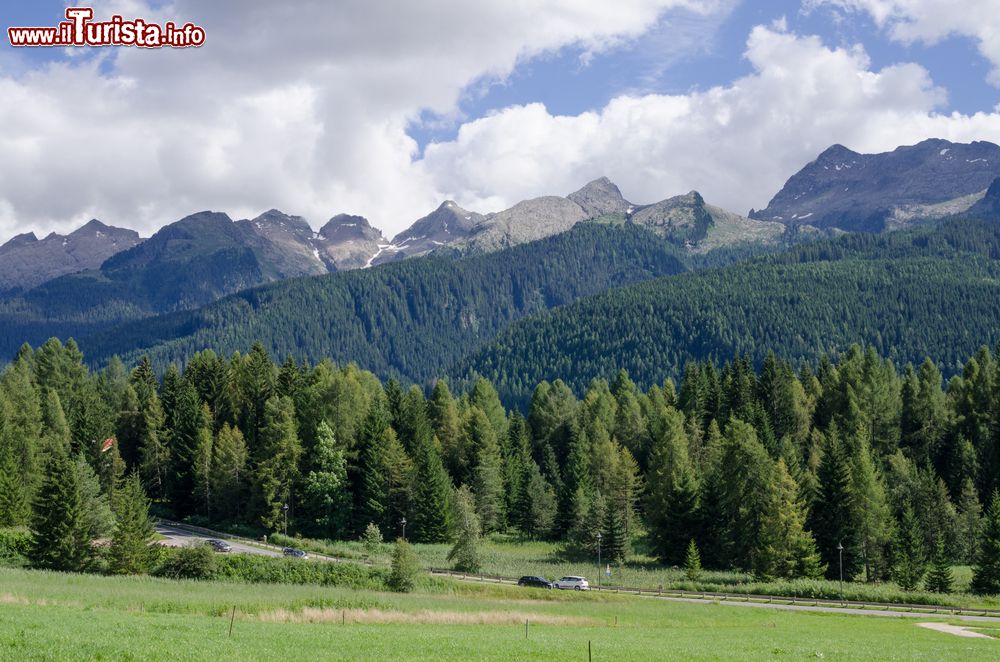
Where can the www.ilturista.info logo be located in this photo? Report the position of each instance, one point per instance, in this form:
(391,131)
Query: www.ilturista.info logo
(79,30)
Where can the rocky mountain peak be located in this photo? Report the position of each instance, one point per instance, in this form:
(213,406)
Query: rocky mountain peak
(600,197)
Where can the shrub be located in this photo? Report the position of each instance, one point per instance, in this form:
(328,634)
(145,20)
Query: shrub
(274,570)
(193,562)
(372,540)
(14,546)
(405,567)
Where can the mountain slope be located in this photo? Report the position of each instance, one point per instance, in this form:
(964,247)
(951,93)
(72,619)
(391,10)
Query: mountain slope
(409,319)
(26,261)
(872,192)
(909,295)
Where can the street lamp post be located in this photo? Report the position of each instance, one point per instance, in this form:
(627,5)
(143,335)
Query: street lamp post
(284,511)
(840,551)
(403,522)
(598,559)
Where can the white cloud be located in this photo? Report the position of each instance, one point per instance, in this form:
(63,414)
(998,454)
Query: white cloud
(931,21)
(736,144)
(305,106)
(301,105)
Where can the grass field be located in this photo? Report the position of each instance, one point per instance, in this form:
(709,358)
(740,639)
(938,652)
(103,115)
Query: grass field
(511,557)
(47,616)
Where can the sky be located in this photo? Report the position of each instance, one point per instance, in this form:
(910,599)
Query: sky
(387,108)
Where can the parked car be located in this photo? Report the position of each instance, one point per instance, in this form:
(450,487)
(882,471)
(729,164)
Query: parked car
(537,582)
(575,583)
(295,553)
(220,545)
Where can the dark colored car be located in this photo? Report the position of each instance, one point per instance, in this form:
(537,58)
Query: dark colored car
(220,545)
(295,553)
(537,582)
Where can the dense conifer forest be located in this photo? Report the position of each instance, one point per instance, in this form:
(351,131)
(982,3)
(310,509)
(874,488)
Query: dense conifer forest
(766,470)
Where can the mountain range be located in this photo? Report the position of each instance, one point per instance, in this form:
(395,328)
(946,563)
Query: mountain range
(461,277)
(873,192)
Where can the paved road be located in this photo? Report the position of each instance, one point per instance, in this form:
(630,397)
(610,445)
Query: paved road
(180,537)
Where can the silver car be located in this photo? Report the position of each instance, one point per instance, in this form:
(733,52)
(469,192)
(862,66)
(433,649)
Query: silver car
(572,582)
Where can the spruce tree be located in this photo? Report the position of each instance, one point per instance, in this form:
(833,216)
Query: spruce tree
(464,554)
(834,519)
(14,506)
(201,467)
(692,562)
(229,472)
(95,506)
(986,572)
(373,439)
(59,530)
(431,491)
(967,526)
(130,552)
(940,578)
(487,474)
(615,543)
(278,455)
(911,562)
(536,507)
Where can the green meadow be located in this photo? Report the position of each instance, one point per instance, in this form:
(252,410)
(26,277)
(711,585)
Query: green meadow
(54,616)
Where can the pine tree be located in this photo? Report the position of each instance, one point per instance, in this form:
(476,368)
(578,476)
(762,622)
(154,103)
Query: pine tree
(784,548)
(325,499)
(672,497)
(615,542)
(187,424)
(834,519)
(201,465)
(59,531)
(373,494)
(448,429)
(14,507)
(229,479)
(692,562)
(940,578)
(130,552)
(536,505)
(986,572)
(431,492)
(95,506)
(911,563)
(278,456)
(873,511)
(487,474)
(464,554)
(967,526)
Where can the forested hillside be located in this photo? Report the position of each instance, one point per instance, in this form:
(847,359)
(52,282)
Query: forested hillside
(768,471)
(907,295)
(409,319)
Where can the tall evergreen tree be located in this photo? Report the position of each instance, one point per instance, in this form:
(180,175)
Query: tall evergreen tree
(940,578)
(834,519)
(672,497)
(60,539)
(487,474)
(911,562)
(986,572)
(130,551)
(431,491)
(278,456)
(229,473)
(785,548)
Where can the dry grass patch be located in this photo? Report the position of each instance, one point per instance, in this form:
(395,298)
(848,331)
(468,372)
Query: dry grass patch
(424,617)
